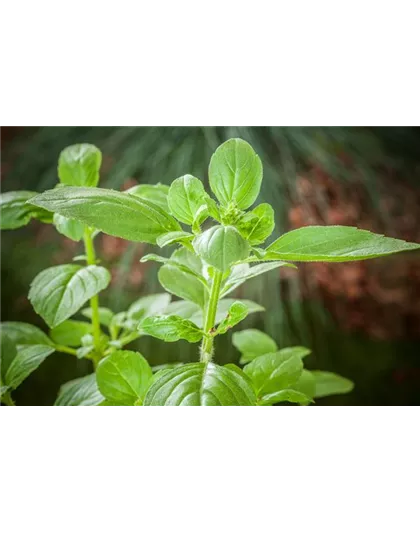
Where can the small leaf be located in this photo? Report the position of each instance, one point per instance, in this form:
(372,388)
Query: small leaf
(115,213)
(59,292)
(174,237)
(79,164)
(235,173)
(186,195)
(70,332)
(335,244)
(15,212)
(84,351)
(124,377)
(171,328)
(213,209)
(246,272)
(200,216)
(237,312)
(257,225)
(253,343)
(328,383)
(286,395)
(183,284)
(158,194)
(300,351)
(27,359)
(154,257)
(72,229)
(105,315)
(153,304)
(197,384)
(221,247)
(273,372)
(81,391)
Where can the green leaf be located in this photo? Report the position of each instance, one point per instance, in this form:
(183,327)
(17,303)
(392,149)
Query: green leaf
(285,395)
(60,291)
(8,352)
(171,328)
(124,377)
(306,384)
(197,384)
(186,195)
(72,229)
(158,194)
(221,247)
(15,212)
(242,273)
(84,351)
(300,351)
(273,372)
(201,215)
(115,213)
(184,309)
(153,304)
(237,312)
(70,332)
(174,237)
(81,391)
(183,284)
(328,383)
(105,315)
(22,333)
(79,164)
(257,225)
(335,244)
(154,257)
(235,173)
(27,359)
(252,343)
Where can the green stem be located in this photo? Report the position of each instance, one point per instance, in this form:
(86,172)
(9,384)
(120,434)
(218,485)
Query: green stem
(207,344)
(94,301)
(65,349)
(7,399)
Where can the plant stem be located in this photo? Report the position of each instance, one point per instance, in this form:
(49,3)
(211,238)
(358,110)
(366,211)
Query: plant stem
(207,344)
(65,349)
(94,301)
(7,399)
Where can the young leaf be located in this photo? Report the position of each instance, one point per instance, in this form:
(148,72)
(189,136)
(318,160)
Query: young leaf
(253,343)
(257,225)
(242,273)
(186,195)
(335,244)
(116,213)
(273,372)
(201,215)
(235,173)
(124,377)
(27,359)
(174,237)
(197,384)
(158,194)
(149,305)
(154,257)
(183,284)
(286,395)
(15,212)
(300,351)
(105,315)
(79,164)
(81,391)
(60,291)
(171,328)
(70,332)
(72,229)
(221,247)
(237,312)
(22,333)
(328,383)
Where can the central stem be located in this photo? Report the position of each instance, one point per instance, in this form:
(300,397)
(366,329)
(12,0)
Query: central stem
(207,344)
(94,301)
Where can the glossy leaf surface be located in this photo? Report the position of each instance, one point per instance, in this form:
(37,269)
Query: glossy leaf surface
(79,165)
(81,391)
(27,359)
(237,312)
(328,383)
(158,194)
(171,328)
(257,225)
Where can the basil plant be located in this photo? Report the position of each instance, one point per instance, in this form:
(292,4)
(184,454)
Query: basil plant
(219,244)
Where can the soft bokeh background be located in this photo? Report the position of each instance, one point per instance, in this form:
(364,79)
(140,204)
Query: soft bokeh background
(361,319)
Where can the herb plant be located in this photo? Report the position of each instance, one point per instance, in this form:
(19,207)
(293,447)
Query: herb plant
(208,264)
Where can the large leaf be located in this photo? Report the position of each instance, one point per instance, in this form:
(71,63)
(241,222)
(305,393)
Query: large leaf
(273,372)
(328,383)
(15,212)
(171,328)
(79,164)
(257,225)
(27,359)
(158,194)
(200,384)
(253,343)
(124,377)
(335,244)
(72,229)
(22,333)
(59,292)
(153,304)
(235,173)
(186,195)
(242,273)
(183,284)
(81,391)
(116,213)
(221,247)
(70,332)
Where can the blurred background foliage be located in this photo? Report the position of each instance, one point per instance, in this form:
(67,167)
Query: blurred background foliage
(360,319)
